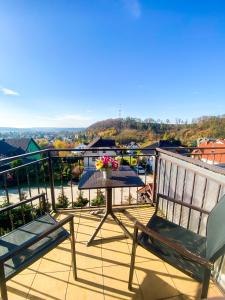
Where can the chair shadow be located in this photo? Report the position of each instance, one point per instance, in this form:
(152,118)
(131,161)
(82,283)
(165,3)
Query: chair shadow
(153,287)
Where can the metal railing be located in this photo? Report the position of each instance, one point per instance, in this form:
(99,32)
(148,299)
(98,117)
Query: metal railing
(196,177)
(57,174)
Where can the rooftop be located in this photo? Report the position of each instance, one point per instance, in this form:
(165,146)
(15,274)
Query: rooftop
(103,268)
(100,142)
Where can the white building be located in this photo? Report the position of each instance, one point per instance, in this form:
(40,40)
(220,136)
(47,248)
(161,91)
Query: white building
(99,147)
(79,147)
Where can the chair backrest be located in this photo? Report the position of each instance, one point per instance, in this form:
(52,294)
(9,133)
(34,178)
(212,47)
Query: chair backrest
(215,234)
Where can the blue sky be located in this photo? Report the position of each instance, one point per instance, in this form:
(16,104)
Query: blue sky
(66,63)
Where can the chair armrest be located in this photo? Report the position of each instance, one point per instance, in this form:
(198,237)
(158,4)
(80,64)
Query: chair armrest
(175,246)
(31,242)
(182,203)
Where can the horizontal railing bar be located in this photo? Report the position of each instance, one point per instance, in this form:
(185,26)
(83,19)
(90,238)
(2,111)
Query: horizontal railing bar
(12,206)
(191,148)
(22,166)
(8,159)
(97,149)
(205,154)
(90,208)
(94,155)
(131,149)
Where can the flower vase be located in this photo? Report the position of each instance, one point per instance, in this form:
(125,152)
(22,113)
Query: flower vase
(107,174)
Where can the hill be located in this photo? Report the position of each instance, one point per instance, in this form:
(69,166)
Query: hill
(149,130)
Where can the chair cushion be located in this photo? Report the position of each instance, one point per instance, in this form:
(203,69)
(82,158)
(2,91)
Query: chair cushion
(25,233)
(190,240)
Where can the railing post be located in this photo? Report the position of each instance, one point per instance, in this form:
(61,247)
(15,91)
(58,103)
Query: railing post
(51,180)
(155,177)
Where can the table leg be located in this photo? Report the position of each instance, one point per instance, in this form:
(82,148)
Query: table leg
(108,200)
(109,211)
(127,233)
(97,229)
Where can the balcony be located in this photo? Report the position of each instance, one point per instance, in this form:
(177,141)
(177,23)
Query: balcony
(103,268)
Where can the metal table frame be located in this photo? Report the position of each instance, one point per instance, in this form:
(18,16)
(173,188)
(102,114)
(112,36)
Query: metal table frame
(109,210)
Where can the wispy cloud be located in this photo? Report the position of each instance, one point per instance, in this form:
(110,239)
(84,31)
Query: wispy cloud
(134,7)
(8,92)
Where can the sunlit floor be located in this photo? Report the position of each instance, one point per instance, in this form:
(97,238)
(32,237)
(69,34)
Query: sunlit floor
(103,269)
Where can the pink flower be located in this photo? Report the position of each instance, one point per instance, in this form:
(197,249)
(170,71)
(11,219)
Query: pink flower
(107,162)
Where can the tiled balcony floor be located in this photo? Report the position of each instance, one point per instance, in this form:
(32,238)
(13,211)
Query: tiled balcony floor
(103,269)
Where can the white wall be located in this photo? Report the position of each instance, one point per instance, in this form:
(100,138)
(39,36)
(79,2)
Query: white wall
(89,156)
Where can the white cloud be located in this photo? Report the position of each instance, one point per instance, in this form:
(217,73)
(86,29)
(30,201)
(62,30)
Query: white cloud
(19,117)
(134,7)
(64,120)
(8,92)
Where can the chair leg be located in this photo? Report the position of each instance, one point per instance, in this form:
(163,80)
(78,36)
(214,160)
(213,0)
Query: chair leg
(134,246)
(73,251)
(205,284)
(3,287)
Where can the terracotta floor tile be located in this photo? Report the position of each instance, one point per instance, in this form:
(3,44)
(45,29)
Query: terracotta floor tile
(142,254)
(89,285)
(154,280)
(88,257)
(115,253)
(49,286)
(116,283)
(32,268)
(18,287)
(184,284)
(57,260)
(103,268)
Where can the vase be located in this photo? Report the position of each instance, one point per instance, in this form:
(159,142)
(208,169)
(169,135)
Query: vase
(107,174)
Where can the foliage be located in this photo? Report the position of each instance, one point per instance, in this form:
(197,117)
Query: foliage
(17,216)
(128,160)
(42,143)
(99,200)
(16,163)
(62,201)
(59,144)
(81,200)
(149,130)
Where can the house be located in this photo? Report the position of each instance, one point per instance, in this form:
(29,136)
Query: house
(101,147)
(149,151)
(79,147)
(7,150)
(52,148)
(205,140)
(25,145)
(214,154)
(132,146)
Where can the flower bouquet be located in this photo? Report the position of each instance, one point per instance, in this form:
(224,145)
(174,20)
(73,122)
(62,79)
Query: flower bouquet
(106,164)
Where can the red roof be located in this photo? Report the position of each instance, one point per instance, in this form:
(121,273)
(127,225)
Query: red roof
(216,151)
